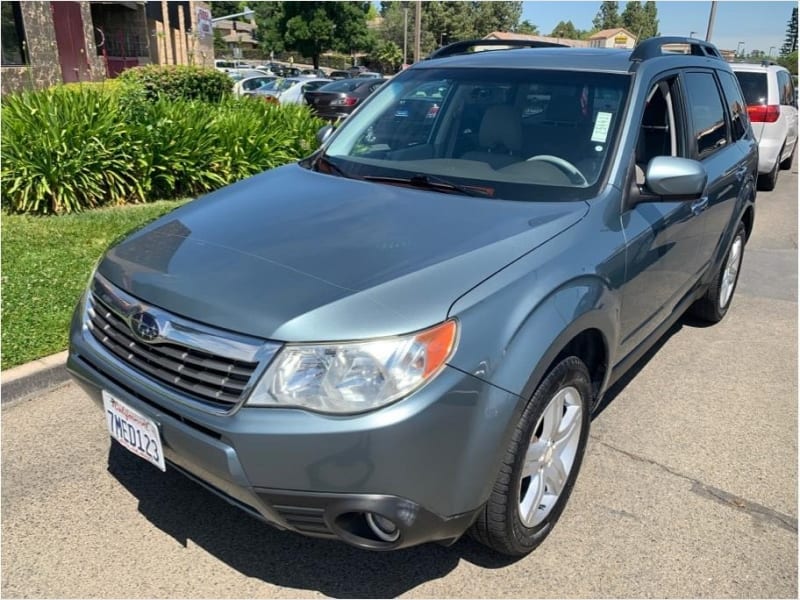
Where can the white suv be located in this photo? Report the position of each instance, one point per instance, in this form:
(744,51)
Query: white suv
(772,107)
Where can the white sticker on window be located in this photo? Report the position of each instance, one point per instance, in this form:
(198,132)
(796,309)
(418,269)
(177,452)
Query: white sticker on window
(601,125)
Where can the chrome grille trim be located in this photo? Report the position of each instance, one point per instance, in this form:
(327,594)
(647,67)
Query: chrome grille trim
(211,366)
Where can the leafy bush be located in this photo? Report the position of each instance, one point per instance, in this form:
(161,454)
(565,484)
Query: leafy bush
(176,82)
(76,147)
(65,149)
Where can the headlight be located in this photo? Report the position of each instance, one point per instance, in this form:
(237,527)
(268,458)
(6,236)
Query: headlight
(354,376)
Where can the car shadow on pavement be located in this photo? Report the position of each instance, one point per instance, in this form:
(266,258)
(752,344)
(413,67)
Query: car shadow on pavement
(187,512)
(616,389)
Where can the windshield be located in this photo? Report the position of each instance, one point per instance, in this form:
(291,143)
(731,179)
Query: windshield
(517,134)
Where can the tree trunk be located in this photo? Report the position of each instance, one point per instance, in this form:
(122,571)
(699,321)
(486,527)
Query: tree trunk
(315,58)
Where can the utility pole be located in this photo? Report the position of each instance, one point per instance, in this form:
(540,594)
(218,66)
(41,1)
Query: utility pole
(418,31)
(405,34)
(711,17)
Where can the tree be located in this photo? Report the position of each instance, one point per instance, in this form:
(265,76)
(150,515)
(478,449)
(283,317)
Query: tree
(312,28)
(790,43)
(268,18)
(221,8)
(566,30)
(220,47)
(789,61)
(607,17)
(527,27)
(389,55)
(640,20)
(495,16)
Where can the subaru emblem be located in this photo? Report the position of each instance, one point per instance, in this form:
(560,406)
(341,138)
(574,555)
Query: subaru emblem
(145,326)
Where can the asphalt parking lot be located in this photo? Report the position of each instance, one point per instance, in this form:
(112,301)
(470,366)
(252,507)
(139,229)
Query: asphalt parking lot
(688,489)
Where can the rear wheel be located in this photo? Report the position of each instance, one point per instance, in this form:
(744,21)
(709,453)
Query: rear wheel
(541,463)
(787,164)
(713,306)
(767,181)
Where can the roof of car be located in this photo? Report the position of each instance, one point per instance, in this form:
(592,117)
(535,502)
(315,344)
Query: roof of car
(584,59)
(762,68)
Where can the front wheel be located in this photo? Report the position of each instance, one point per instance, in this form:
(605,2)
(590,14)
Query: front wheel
(541,463)
(713,306)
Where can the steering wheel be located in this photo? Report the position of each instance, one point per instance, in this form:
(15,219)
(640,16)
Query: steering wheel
(567,167)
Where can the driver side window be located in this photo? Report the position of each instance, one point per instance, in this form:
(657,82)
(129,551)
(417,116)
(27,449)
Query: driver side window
(658,133)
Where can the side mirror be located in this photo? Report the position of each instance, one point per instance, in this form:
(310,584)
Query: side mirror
(674,178)
(324,133)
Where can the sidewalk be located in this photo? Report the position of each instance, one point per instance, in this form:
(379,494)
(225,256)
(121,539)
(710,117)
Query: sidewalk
(33,377)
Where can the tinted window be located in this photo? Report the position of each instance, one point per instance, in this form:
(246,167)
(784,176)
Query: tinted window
(785,90)
(12,35)
(737,108)
(343,85)
(310,87)
(705,106)
(754,87)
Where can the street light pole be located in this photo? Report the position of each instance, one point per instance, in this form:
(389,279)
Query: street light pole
(711,17)
(740,50)
(245,13)
(769,54)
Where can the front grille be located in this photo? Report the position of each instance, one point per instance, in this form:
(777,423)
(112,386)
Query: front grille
(209,377)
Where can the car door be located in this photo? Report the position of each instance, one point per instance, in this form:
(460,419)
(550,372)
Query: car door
(789,109)
(731,169)
(663,238)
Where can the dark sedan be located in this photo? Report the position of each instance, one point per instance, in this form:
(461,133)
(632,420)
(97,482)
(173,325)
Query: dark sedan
(336,100)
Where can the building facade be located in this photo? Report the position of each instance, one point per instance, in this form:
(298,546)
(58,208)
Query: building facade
(45,43)
(237,35)
(618,37)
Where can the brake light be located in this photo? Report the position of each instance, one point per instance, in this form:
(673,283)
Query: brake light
(346,101)
(762,113)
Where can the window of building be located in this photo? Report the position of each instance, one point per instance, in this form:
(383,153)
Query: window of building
(12,35)
(708,117)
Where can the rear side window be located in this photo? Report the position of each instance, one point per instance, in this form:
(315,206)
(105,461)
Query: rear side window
(708,117)
(754,87)
(785,88)
(343,85)
(737,108)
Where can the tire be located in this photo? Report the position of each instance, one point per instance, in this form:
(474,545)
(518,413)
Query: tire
(714,305)
(787,164)
(767,181)
(501,525)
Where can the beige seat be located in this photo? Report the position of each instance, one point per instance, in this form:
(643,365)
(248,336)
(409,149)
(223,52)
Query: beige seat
(499,138)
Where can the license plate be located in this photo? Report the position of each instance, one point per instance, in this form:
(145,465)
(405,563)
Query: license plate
(133,430)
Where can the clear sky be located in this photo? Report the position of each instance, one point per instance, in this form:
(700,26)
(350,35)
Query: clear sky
(758,24)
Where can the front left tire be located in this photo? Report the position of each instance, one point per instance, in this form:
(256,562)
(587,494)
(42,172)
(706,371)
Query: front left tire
(541,463)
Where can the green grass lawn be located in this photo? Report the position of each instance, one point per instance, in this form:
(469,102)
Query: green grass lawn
(46,262)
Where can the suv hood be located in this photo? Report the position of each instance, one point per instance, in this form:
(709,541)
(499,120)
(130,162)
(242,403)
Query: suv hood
(295,255)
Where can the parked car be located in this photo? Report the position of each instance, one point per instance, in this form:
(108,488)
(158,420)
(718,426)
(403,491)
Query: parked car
(251,84)
(403,337)
(238,75)
(288,90)
(314,73)
(368,75)
(340,75)
(772,107)
(336,100)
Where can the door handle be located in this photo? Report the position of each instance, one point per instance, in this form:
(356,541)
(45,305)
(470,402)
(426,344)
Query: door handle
(700,205)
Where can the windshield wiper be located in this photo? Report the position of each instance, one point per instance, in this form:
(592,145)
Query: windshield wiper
(433,182)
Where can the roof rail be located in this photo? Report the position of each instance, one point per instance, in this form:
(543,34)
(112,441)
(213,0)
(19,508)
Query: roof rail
(768,63)
(465,46)
(652,48)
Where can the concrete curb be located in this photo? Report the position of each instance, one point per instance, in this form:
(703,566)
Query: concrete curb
(33,377)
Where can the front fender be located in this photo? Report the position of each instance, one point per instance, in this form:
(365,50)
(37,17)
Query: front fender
(511,336)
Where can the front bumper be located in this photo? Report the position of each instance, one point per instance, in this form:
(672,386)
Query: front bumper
(428,462)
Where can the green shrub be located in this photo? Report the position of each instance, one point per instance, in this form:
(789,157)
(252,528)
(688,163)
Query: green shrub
(65,149)
(80,146)
(176,82)
(180,149)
